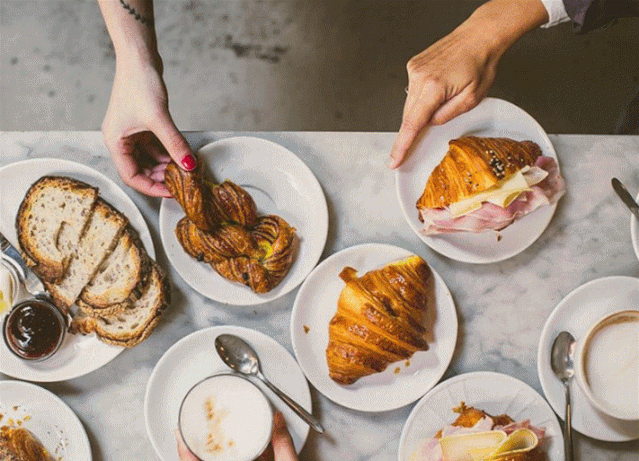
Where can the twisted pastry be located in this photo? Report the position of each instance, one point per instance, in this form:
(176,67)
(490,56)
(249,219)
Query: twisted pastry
(207,204)
(259,258)
(221,228)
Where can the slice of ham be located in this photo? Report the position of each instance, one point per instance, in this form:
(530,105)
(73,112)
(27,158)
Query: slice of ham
(493,217)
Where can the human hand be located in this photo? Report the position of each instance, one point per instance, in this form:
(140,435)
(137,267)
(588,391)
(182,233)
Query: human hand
(445,80)
(138,129)
(281,447)
(454,74)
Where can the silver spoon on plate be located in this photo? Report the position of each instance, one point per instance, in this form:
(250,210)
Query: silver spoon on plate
(561,361)
(241,357)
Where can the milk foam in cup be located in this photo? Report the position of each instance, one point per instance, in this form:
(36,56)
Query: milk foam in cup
(607,366)
(226,418)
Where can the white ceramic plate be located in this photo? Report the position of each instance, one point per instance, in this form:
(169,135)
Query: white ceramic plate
(634,230)
(491,118)
(281,184)
(575,314)
(79,354)
(315,305)
(193,358)
(494,393)
(47,417)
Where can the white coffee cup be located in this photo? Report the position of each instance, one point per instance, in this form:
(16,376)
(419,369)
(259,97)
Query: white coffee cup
(607,365)
(225,417)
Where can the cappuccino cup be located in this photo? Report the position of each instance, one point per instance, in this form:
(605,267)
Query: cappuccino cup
(607,365)
(225,417)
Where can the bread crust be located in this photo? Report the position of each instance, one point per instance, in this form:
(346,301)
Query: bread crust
(473,165)
(87,324)
(46,266)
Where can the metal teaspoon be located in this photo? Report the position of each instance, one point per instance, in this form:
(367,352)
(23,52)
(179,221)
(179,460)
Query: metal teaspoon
(238,355)
(561,361)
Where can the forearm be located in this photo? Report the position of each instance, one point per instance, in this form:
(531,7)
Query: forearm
(130,24)
(498,24)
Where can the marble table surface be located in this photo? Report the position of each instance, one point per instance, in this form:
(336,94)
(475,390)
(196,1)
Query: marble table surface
(588,238)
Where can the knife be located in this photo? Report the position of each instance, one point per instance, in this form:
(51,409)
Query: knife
(14,262)
(625,196)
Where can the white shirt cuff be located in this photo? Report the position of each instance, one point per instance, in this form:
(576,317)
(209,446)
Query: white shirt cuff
(556,12)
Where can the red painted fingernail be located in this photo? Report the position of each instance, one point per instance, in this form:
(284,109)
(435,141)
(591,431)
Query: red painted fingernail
(189,162)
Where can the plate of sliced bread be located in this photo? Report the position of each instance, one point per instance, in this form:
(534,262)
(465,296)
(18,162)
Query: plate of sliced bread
(89,244)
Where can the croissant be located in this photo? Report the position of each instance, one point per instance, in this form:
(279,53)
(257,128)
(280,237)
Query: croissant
(472,165)
(379,319)
(17,443)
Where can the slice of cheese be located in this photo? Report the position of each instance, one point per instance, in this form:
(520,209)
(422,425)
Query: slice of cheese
(459,447)
(503,193)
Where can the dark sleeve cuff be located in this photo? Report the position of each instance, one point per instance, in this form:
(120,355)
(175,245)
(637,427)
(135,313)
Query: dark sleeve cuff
(588,15)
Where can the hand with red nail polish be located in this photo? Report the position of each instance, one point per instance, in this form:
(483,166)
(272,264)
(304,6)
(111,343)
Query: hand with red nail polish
(138,129)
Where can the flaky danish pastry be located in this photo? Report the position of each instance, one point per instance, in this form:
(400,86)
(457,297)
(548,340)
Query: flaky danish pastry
(222,228)
(379,320)
(18,444)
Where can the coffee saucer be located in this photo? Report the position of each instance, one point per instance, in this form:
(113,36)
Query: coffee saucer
(576,313)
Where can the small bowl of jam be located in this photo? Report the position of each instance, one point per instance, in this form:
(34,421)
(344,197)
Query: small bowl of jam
(34,329)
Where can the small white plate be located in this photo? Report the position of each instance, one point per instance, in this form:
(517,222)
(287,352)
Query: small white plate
(634,230)
(193,358)
(79,354)
(494,393)
(315,305)
(575,314)
(281,184)
(491,118)
(47,417)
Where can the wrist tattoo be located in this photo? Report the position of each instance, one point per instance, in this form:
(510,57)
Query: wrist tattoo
(147,21)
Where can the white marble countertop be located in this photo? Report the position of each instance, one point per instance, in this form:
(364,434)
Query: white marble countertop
(588,238)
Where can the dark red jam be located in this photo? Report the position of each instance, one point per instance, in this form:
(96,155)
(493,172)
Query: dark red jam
(34,329)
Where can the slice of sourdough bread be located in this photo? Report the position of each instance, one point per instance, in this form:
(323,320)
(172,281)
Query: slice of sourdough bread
(120,280)
(100,238)
(135,324)
(50,222)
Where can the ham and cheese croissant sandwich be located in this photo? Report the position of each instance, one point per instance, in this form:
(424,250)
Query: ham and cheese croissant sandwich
(475,435)
(486,184)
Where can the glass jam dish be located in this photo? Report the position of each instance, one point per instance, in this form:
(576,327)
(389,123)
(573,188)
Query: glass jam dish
(34,329)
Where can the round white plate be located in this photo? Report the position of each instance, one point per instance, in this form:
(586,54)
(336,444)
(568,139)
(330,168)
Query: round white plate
(79,354)
(494,393)
(491,118)
(193,358)
(575,314)
(281,184)
(634,230)
(47,417)
(315,305)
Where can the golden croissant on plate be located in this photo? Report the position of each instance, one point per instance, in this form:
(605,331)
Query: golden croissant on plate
(18,444)
(473,165)
(222,228)
(379,320)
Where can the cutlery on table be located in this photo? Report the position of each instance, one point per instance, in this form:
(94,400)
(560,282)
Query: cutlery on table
(240,357)
(625,196)
(561,361)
